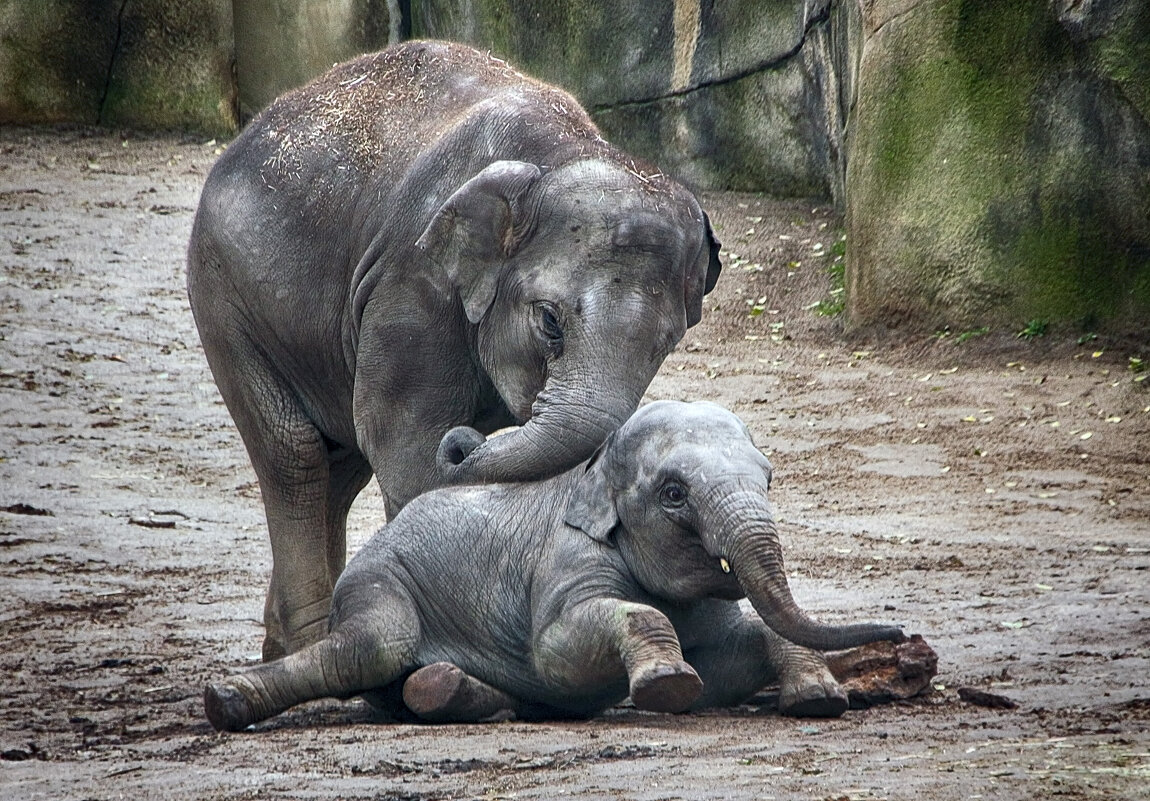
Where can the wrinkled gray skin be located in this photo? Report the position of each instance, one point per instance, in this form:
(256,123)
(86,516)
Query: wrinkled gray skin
(423,239)
(564,596)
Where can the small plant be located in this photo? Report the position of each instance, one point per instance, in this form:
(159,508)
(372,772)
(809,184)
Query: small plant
(1034,328)
(833,305)
(1136,365)
(1087,338)
(972,333)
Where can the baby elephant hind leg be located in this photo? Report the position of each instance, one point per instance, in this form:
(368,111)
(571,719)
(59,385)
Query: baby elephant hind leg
(750,655)
(444,693)
(358,656)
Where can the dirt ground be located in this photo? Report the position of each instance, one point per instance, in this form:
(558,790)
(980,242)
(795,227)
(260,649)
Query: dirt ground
(988,492)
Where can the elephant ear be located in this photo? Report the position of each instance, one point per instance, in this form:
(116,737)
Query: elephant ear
(592,504)
(699,283)
(479,227)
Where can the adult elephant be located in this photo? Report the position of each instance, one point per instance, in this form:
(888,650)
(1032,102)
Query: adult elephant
(424,238)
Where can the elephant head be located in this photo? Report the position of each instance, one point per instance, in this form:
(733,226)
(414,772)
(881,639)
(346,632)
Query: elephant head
(681,491)
(577,282)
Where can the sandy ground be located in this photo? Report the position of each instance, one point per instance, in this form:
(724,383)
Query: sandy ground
(988,492)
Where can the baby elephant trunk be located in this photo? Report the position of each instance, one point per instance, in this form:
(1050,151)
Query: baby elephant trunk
(750,545)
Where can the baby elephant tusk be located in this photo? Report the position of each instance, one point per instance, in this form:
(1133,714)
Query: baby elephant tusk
(723,563)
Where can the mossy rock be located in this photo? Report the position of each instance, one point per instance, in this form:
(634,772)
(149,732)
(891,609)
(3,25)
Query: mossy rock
(999,168)
(282,44)
(173,67)
(721,95)
(54,57)
(138,63)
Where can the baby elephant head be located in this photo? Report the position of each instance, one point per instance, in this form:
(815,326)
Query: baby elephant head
(681,491)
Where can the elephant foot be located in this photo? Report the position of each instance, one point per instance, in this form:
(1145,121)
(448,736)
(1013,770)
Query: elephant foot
(814,694)
(443,693)
(666,687)
(227,707)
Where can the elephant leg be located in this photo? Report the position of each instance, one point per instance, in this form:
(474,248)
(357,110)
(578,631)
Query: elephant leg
(733,663)
(292,462)
(294,482)
(444,693)
(743,655)
(365,652)
(807,687)
(348,474)
(600,642)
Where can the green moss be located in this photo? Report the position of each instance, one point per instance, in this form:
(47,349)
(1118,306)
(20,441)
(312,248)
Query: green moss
(980,63)
(1124,57)
(975,207)
(1069,267)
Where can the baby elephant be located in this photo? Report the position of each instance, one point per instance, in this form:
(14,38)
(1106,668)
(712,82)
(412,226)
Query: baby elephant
(562,597)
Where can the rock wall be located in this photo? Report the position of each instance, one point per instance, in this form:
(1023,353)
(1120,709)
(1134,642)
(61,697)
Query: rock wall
(149,63)
(281,44)
(992,156)
(742,94)
(999,168)
(194,65)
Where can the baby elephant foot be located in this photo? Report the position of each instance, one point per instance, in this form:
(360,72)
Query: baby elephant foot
(227,707)
(812,694)
(666,687)
(443,693)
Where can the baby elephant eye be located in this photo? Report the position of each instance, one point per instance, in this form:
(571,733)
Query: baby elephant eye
(673,495)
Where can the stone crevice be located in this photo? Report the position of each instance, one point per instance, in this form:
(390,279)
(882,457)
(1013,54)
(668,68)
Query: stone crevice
(893,18)
(111,62)
(822,17)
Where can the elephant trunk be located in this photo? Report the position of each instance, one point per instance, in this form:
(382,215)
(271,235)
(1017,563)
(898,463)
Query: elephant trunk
(745,536)
(570,419)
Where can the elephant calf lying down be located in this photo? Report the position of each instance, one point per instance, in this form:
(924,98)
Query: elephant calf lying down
(619,577)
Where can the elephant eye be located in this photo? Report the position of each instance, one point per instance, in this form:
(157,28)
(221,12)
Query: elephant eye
(550,326)
(673,495)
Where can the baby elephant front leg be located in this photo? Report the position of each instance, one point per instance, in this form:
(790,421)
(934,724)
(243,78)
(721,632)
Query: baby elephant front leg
(597,640)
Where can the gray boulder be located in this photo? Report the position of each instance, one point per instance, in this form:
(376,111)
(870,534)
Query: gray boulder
(999,164)
(737,95)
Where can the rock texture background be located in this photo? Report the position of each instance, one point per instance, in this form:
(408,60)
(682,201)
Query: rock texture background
(992,157)
(999,168)
(135,63)
(281,44)
(738,95)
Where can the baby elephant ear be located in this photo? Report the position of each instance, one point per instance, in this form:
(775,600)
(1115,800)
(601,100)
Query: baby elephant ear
(592,505)
(479,227)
